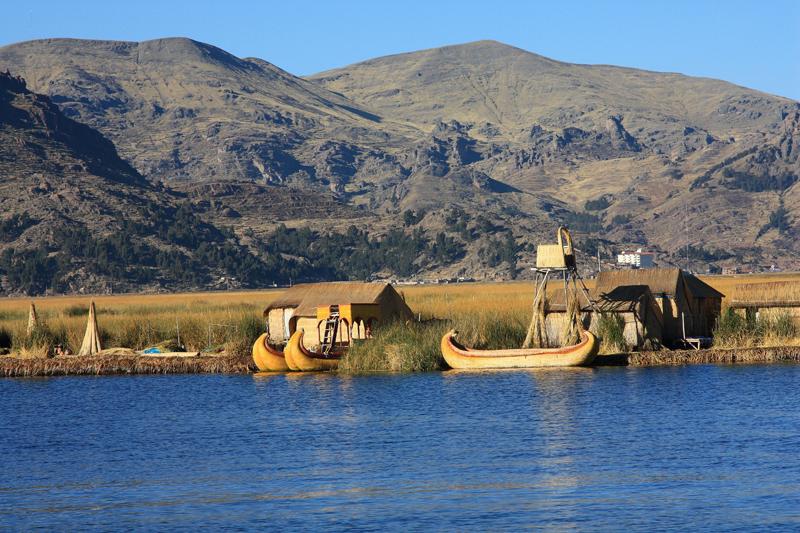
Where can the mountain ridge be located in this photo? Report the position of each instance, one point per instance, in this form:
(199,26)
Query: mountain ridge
(483,143)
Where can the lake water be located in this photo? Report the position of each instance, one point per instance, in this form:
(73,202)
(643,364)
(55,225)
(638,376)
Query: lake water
(700,447)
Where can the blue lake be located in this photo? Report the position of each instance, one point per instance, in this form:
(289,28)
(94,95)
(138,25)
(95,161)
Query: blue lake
(699,447)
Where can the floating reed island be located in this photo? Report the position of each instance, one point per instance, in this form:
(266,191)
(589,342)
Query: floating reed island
(218,331)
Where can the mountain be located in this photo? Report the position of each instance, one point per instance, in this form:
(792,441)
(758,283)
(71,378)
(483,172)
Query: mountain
(472,152)
(78,218)
(646,158)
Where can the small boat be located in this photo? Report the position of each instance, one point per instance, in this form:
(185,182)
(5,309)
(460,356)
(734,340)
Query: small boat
(461,357)
(267,358)
(304,359)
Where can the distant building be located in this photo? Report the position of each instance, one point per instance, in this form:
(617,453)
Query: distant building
(637,259)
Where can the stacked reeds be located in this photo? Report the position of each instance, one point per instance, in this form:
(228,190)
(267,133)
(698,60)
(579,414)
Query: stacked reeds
(91,339)
(536,336)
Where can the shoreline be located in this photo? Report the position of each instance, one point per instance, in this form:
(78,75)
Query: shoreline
(753,355)
(107,365)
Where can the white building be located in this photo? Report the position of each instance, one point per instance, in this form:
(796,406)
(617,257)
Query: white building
(637,259)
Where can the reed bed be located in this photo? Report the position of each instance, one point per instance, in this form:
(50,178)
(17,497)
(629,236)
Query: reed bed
(737,330)
(774,292)
(202,322)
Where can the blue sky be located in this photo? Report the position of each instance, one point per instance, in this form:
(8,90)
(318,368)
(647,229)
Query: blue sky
(756,43)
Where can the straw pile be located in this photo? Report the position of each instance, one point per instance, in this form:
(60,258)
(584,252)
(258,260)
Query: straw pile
(91,339)
(123,364)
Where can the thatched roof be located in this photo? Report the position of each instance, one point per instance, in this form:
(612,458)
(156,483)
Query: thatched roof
(306,297)
(659,280)
(621,299)
(700,289)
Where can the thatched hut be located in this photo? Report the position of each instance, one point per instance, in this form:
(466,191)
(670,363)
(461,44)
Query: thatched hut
(369,305)
(658,305)
(635,305)
(690,307)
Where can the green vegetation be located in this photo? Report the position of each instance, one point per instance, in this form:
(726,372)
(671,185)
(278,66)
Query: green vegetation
(411,218)
(597,205)
(582,222)
(757,183)
(12,227)
(735,330)
(620,220)
(415,347)
(778,219)
(397,347)
(611,330)
(355,255)
(202,252)
(500,250)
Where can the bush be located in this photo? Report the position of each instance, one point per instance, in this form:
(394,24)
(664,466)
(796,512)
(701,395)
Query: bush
(611,330)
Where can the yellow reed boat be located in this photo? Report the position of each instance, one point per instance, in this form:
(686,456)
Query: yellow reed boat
(301,358)
(267,358)
(461,357)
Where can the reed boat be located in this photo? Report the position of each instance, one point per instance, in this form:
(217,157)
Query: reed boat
(304,359)
(460,357)
(267,358)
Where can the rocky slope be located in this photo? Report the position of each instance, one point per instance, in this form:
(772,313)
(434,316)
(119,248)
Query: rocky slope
(76,217)
(482,142)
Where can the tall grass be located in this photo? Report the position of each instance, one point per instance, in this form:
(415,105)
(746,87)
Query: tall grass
(736,330)
(397,347)
(415,347)
(207,322)
(611,330)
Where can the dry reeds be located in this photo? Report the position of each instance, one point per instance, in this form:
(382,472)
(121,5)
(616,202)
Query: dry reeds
(775,354)
(571,333)
(773,293)
(739,330)
(536,336)
(122,364)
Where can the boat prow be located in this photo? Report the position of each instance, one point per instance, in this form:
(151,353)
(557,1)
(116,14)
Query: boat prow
(306,360)
(267,358)
(461,357)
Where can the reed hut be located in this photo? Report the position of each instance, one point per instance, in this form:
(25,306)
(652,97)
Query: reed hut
(368,305)
(660,306)
(634,304)
(689,307)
